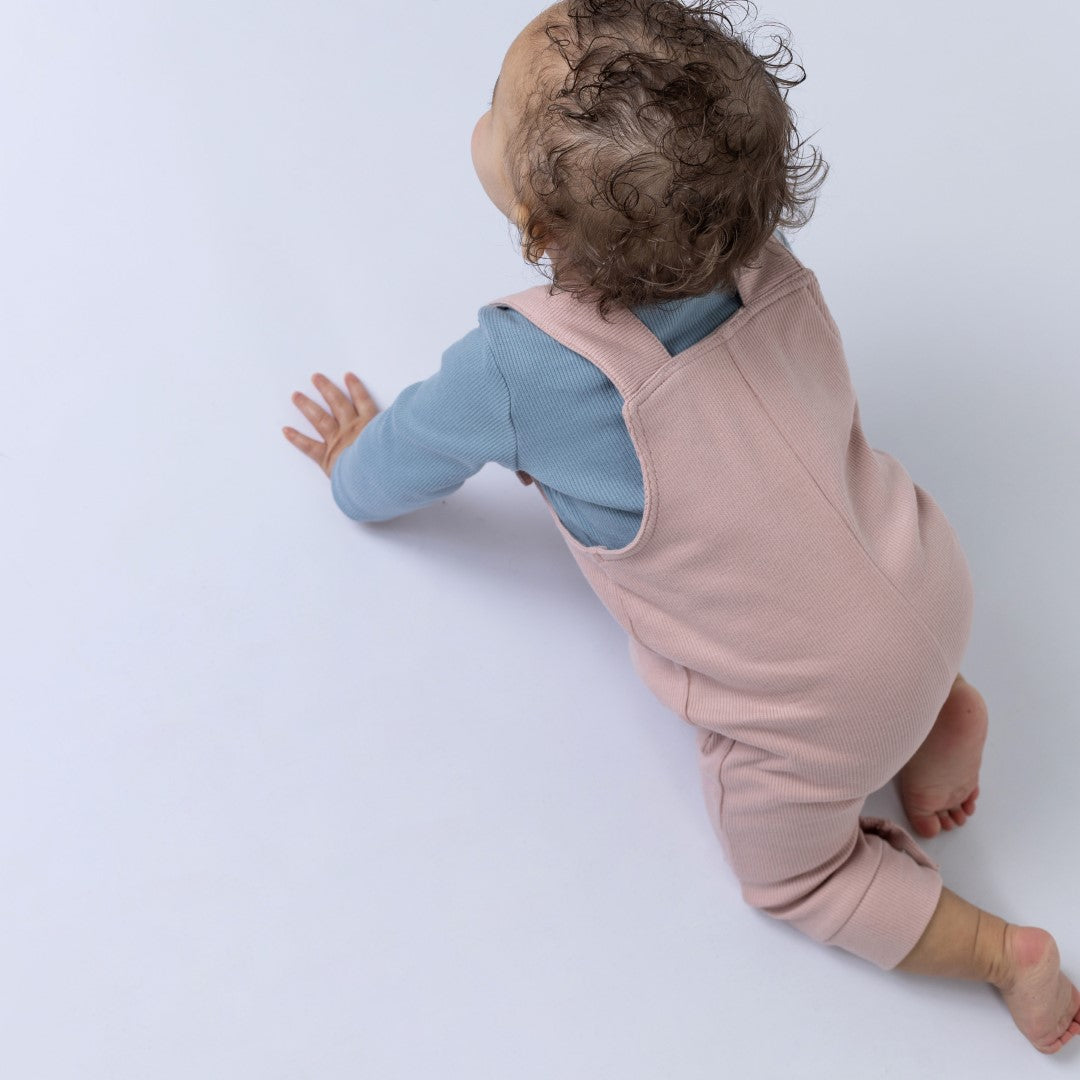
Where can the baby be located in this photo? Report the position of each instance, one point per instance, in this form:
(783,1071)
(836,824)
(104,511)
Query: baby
(680,398)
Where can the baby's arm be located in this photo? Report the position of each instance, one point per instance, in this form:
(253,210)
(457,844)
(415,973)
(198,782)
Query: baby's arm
(434,436)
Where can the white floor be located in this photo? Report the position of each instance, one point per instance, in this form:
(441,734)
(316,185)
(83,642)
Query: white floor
(286,797)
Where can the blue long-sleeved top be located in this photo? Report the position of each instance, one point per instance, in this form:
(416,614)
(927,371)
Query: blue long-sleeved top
(508,392)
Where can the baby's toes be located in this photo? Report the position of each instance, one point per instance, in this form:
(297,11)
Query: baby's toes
(926,825)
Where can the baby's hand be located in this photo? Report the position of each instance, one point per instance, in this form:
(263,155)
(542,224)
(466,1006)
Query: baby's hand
(338,430)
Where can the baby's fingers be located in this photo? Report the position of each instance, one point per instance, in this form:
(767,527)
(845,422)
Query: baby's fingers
(339,404)
(313,449)
(323,422)
(365,406)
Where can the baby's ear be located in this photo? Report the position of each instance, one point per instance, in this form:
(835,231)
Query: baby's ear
(520,215)
(521,218)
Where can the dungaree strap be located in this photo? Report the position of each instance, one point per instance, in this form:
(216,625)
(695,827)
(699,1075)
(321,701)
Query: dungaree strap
(622,346)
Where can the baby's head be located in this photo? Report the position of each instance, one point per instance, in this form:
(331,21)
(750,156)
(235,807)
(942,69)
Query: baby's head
(643,147)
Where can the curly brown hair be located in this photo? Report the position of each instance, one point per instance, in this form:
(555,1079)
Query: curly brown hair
(665,158)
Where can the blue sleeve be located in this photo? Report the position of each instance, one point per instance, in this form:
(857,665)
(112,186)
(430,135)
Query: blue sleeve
(431,439)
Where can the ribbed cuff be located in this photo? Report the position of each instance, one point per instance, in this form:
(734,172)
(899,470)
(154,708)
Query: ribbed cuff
(899,902)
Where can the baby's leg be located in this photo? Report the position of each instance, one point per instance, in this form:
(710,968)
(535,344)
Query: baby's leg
(794,836)
(803,854)
(963,942)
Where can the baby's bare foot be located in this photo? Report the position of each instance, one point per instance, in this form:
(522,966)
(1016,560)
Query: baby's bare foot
(939,785)
(1043,1003)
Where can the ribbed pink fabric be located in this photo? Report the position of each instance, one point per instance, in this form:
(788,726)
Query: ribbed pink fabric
(791,592)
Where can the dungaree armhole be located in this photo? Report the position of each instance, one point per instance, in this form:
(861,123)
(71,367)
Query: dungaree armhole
(794,279)
(631,403)
(648,516)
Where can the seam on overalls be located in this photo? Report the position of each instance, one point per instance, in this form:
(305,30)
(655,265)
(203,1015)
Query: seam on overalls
(787,285)
(720,778)
(621,594)
(638,395)
(908,605)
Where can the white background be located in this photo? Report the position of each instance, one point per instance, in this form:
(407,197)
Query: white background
(284,796)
